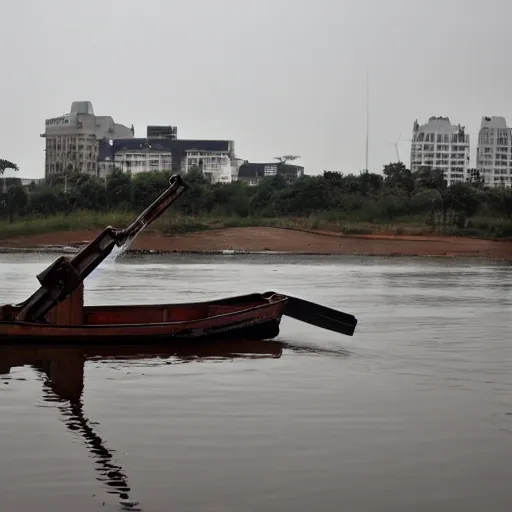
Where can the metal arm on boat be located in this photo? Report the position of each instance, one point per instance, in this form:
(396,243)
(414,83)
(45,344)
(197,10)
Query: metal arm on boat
(65,275)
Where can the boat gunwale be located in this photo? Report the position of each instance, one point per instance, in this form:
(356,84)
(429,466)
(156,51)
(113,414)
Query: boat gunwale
(272,299)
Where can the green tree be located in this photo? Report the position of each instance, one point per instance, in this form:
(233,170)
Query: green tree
(47,201)
(10,200)
(199,196)
(119,190)
(397,176)
(463,200)
(147,186)
(333,178)
(302,198)
(14,200)
(261,202)
(371,183)
(6,164)
(500,201)
(427,177)
(88,193)
(429,201)
(231,199)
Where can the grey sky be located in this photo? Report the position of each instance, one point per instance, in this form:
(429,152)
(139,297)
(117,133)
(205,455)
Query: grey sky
(276,76)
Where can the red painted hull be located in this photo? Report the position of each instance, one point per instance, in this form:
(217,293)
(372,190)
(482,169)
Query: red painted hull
(248,317)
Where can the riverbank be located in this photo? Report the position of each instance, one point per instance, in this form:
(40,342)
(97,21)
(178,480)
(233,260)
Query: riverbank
(280,240)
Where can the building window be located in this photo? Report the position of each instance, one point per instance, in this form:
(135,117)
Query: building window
(270,170)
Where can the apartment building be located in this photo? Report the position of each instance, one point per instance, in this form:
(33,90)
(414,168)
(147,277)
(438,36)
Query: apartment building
(494,152)
(441,145)
(72,140)
(216,158)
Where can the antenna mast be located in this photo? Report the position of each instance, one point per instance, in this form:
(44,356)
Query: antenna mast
(367,115)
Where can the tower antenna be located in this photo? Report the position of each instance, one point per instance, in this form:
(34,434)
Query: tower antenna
(367,115)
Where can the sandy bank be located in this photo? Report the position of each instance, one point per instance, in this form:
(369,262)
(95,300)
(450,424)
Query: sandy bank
(286,240)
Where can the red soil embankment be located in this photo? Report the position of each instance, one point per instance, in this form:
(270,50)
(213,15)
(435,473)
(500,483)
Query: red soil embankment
(288,240)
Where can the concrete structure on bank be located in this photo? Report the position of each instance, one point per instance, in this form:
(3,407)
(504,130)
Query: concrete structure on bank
(72,140)
(254,173)
(494,152)
(440,145)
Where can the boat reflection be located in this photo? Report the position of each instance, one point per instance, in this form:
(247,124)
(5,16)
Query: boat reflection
(62,371)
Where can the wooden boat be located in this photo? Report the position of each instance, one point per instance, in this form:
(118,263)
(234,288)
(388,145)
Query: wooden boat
(250,317)
(56,312)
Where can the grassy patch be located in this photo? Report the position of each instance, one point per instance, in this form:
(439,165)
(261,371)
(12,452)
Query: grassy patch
(171,223)
(78,221)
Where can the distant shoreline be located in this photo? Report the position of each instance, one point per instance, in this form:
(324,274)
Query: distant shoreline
(273,241)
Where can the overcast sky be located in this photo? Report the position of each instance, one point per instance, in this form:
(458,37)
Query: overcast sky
(276,76)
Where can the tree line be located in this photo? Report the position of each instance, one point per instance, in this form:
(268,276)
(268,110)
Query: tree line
(395,196)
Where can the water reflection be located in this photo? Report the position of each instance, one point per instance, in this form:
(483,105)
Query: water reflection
(61,369)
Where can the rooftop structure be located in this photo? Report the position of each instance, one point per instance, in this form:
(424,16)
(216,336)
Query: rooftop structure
(164,132)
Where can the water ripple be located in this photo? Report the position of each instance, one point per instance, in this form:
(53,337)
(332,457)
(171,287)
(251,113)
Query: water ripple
(417,402)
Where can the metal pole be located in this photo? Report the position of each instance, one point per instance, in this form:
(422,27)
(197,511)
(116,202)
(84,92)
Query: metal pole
(367,115)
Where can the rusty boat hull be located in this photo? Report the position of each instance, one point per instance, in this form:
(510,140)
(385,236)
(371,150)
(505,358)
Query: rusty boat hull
(250,317)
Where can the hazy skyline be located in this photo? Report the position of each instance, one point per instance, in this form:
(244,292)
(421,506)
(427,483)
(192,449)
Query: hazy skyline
(276,76)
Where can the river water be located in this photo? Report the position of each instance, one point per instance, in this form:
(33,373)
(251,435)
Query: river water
(412,413)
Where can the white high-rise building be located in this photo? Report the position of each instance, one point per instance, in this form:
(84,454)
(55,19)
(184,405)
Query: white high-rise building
(494,152)
(441,145)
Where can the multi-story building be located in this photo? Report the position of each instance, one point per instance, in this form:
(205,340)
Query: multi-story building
(440,145)
(216,167)
(72,140)
(494,152)
(216,158)
(82,142)
(254,173)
